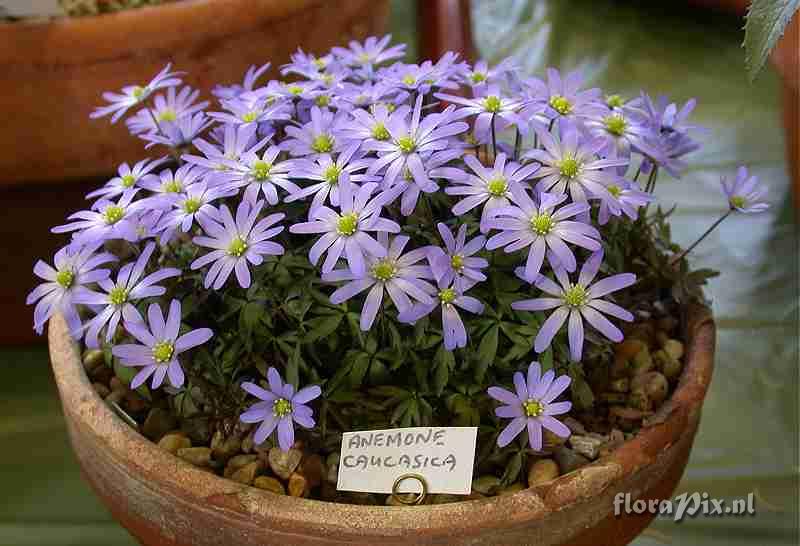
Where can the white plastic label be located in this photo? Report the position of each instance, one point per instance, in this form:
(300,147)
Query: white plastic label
(372,460)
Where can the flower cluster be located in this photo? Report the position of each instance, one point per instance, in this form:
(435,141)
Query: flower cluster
(413,189)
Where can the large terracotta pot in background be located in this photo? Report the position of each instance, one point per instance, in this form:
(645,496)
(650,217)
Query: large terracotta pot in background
(52,73)
(164,501)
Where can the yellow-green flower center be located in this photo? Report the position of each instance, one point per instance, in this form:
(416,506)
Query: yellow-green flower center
(113,214)
(614,190)
(167,115)
(384,270)
(118,295)
(261,170)
(331,174)
(162,351)
(409,79)
(457,262)
(575,295)
(561,104)
(237,247)
(738,202)
(497,186)
(615,101)
(492,104)
(477,77)
(615,124)
(128,180)
(448,295)
(319,63)
(65,278)
(327,79)
(533,408)
(192,205)
(173,186)
(294,89)
(379,132)
(281,407)
(322,144)
(139,92)
(322,100)
(569,167)
(406,144)
(542,224)
(250,117)
(347,224)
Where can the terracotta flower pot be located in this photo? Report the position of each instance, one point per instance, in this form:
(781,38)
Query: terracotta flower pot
(164,501)
(53,73)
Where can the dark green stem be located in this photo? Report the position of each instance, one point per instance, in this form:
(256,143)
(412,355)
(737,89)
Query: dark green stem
(705,234)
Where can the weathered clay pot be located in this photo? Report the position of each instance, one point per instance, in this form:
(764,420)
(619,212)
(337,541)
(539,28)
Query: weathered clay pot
(164,501)
(53,73)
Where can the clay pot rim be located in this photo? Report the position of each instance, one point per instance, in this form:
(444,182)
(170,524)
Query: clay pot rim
(70,40)
(252,504)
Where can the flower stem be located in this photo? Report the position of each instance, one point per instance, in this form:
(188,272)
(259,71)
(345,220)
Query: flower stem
(517,144)
(494,139)
(705,234)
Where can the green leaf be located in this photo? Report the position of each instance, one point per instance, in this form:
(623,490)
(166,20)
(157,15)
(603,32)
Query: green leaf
(766,22)
(293,367)
(487,350)
(445,362)
(513,468)
(321,327)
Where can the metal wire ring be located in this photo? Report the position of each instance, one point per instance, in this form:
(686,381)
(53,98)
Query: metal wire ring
(419,496)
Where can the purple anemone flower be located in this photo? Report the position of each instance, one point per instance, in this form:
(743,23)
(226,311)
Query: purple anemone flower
(167,108)
(169,184)
(481,74)
(233,91)
(449,298)
(569,163)
(134,94)
(559,97)
(127,178)
(235,242)
(370,125)
(193,204)
(236,140)
(410,139)
(119,296)
(744,194)
(541,227)
(110,221)
(328,172)
(456,264)
(260,174)
(303,63)
(280,407)
(624,197)
(318,136)
(250,110)
(489,107)
(394,273)
(373,51)
(489,186)
(576,302)
(532,406)
(409,191)
(160,346)
(180,133)
(74,269)
(346,232)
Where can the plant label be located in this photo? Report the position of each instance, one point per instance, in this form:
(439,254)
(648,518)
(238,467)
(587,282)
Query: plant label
(371,461)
